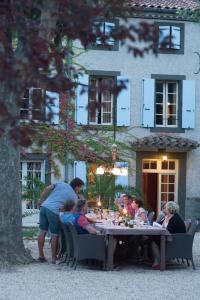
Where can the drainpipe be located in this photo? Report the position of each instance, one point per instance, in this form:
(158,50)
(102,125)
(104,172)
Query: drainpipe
(68,102)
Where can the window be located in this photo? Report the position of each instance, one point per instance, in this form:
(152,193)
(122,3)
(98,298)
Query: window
(29,171)
(97,105)
(171,38)
(32,105)
(101,100)
(166,104)
(32,174)
(104,32)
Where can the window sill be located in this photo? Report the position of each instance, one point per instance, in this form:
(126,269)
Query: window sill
(167,129)
(104,48)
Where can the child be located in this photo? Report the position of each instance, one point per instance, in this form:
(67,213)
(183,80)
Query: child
(66,214)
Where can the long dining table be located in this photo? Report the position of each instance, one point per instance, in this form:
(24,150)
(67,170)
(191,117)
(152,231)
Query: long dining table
(111,231)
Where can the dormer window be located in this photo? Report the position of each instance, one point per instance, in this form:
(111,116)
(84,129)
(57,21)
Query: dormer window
(171,38)
(104,32)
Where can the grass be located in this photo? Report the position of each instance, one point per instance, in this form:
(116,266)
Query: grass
(30,233)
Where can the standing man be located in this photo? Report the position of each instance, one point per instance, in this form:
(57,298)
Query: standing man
(60,193)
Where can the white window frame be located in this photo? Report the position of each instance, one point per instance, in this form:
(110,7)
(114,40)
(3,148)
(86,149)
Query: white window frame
(30,108)
(24,171)
(165,104)
(101,111)
(161,172)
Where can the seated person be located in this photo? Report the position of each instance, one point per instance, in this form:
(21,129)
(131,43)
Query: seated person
(136,243)
(124,202)
(66,213)
(173,223)
(79,219)
(161,215)
(140,212)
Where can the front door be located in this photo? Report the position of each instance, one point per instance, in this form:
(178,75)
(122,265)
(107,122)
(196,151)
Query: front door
(160,182)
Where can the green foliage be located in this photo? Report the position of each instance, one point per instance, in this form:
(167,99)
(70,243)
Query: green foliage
(104,186)
(189,14)
(30,233)
(32,191)
(133,191)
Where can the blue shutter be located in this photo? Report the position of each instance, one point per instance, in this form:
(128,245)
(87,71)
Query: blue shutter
(122,180)
(148,95)
(43,169)
(188,104)
(109,27)
(80,170)
(164,34)
(123,103)
(81,107)
(176,37)
(52,107)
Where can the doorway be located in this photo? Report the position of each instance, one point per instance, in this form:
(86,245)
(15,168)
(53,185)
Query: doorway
(160,182)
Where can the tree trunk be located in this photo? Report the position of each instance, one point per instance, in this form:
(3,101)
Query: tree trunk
(11,244)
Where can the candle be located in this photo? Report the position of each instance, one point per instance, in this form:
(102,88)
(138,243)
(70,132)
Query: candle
(125,211)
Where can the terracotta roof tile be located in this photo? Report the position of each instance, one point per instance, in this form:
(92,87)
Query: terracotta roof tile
(165,4)
(169,143)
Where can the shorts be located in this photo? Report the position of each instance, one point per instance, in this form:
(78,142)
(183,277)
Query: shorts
(49,221)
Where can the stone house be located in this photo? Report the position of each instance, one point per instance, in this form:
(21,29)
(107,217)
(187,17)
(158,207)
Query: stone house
(160,107)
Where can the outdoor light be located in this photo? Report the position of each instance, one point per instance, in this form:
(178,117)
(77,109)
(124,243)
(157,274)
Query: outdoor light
(123,172)
(115,170)
(164,158)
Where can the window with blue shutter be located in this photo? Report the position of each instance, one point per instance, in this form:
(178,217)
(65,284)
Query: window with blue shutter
(104,31)
(170,38)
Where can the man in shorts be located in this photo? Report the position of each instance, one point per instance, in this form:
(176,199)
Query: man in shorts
(60,193)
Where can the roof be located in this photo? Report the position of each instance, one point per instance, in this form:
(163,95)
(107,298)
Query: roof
(164,142)
(165,4)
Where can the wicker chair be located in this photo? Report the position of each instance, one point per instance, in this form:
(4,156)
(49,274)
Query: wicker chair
(67,243)
(151,216)
(87,246)
(180,247)
(187,224)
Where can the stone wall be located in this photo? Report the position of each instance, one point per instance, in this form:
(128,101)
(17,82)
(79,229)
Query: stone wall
(192,208)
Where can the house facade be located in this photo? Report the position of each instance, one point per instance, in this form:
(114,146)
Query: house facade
(159,107)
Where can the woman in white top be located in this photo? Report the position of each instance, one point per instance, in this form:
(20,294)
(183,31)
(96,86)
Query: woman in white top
(140,213)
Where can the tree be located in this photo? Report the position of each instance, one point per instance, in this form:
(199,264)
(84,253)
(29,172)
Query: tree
(31,55)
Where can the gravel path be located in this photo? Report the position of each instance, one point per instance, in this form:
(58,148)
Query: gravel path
(59,282)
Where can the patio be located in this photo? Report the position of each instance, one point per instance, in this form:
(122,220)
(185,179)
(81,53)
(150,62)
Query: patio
(47,281)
